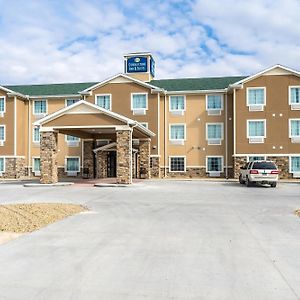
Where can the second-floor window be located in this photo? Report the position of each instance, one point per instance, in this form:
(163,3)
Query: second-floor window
(139,102)
(36,134)
(71,101)
(295,130)
(104,101)
(2,133)
(256,131)
(214,131)
(177,132)
(177,103)
(40,107)
(2,105)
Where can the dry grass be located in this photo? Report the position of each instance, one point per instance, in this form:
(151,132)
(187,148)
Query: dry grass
(30,217)
(297,212)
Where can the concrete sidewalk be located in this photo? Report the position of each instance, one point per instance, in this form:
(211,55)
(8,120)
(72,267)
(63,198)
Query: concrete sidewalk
(163,240)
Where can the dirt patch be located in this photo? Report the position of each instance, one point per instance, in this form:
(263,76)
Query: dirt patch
(297,212)
(30,217)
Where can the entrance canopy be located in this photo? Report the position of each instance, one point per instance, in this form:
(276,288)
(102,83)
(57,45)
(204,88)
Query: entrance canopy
(89,121)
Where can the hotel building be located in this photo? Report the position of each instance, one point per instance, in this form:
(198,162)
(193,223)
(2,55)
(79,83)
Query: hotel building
(135,126)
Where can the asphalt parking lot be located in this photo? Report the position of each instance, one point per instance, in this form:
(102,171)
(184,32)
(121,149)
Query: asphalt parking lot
(158,240)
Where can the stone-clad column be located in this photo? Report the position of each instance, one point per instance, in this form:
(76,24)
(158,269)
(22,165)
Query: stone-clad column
(48,157)
(144,150)
(101,159)
(124,156)
(88,157)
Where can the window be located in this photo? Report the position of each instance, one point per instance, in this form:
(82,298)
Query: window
(214,132)
(295,164)
(295,128)
(177,132)
(71,101)
(39,107)
(36,134)
(139,101)
(36,167)
(72,164)
(214,102)
(256,158)
(70,138)
(214,164)
(104,101)
(256,131)
(2,164)
(2,133)
(177,164)
(177,103)
(294,95)
(2,105)
(256,96)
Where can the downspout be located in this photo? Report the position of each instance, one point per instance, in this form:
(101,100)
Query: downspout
(226,136)
(29,135)
(165,135)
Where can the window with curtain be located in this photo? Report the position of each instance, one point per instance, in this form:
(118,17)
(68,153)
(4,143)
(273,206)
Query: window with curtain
(295,128)
(256,96)
(176,103)
(177,132)
(40,107)
(71,138)
(256,128)
(104,101)
(214,164)
(2,104)
(214,102)
(73,164)
(139,101)
(256,158)
(71,101)
(214,131)
(1,164)
(2,133)
(295,164)
(36,134)
(177,164)
(36,164)
(295,95)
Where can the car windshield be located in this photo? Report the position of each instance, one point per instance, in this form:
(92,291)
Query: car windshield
(264,165)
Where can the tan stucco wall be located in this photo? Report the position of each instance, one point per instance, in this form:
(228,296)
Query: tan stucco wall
(277,128)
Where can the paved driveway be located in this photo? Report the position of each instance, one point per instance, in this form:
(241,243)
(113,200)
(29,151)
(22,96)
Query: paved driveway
(158,240)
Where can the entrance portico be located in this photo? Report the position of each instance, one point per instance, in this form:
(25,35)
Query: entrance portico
(91,123)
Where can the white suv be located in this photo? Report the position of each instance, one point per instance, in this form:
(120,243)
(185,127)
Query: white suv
(264,172)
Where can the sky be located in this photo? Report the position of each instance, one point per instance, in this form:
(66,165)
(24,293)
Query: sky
(55,41)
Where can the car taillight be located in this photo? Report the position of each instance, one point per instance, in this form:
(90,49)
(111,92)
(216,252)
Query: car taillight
(253,172)
(275,172)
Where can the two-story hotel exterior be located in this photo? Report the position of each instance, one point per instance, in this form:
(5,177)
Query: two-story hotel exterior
(133,126)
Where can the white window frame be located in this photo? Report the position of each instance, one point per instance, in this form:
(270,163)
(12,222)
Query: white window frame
(110,100)
(222,102)
(293,137)
(145,124)
(36,172)
(33,140)
(4,162)
(265,130)
(33,107)
(256,105)
(177,110)
(296,105)
(248,156)
(295,174)
(72,143)
(66,160)
(214,156)
(177,156)
(177,140)
(222,132)
(4,138)
(66,101)
(4,109)
(133,109)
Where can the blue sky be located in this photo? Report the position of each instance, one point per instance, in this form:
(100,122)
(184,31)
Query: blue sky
(84,40)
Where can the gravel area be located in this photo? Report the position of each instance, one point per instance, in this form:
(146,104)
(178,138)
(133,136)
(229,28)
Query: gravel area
(20,218)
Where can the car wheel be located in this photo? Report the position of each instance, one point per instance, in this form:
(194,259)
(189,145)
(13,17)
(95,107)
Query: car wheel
(248,182)
(241,179)
(273,184)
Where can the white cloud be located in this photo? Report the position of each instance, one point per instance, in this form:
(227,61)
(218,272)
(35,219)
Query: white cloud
(77,40)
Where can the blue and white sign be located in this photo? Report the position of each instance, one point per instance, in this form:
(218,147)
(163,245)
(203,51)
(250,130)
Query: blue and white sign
(137,64)
(152,67)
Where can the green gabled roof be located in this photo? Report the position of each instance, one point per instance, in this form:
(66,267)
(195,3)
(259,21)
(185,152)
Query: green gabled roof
(50,89)
(196,84)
